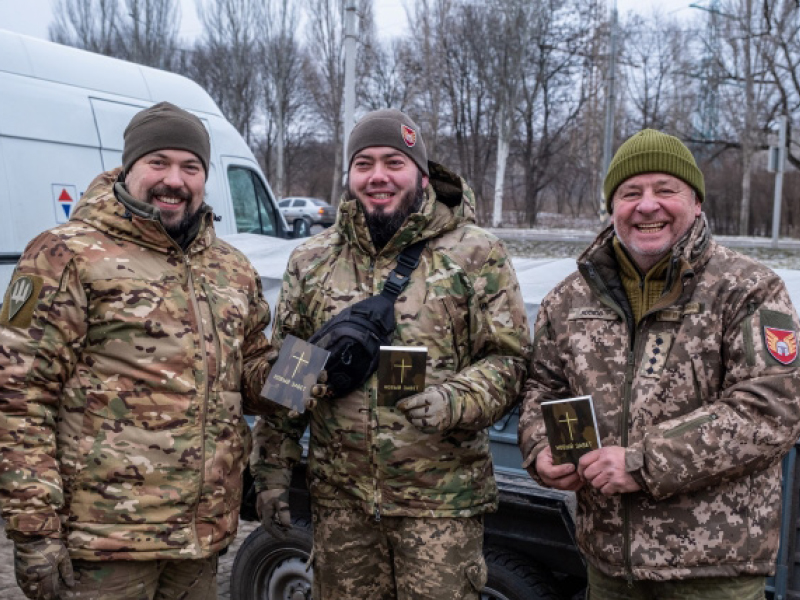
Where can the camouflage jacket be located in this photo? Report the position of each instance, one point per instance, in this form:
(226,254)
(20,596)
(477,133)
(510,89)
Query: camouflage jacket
(698,393)
(463,302)
(122,380)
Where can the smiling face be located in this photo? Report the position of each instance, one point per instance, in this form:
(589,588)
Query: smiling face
(651,213)
(382,178)
(171,180)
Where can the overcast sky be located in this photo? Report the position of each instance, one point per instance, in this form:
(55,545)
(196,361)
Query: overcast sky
(33,16)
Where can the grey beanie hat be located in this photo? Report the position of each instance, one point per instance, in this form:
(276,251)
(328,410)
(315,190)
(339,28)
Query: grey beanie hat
(165,126)
(392,128)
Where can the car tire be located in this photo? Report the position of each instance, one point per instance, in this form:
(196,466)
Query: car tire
(301,227)
(266,567)
(512,578)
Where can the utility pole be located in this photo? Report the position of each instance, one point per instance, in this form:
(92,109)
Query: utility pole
(608,134)
(350,17)
(779,168)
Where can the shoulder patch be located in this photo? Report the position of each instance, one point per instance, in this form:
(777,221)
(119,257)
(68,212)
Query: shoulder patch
(20,300)
(780,337)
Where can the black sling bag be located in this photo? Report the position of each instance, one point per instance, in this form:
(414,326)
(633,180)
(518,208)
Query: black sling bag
(355,335)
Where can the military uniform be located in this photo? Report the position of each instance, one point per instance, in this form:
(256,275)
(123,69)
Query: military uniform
(123,376)
(463,303)
(703,393)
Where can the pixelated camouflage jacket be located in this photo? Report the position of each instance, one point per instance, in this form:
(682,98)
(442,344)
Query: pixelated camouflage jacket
(463,302)
(695,393)
(121,386)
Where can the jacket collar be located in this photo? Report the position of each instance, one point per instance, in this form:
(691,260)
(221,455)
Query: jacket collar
(688,256)
(109,207)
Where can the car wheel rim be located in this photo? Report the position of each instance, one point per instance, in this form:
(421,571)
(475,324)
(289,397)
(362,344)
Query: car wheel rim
(282,575)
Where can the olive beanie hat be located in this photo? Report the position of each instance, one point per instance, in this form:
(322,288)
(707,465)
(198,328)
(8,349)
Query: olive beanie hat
(392,128)
(651,151)
(165,126)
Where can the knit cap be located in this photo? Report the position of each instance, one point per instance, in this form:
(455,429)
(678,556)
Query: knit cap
(651,151)
(165,126)
(392,128)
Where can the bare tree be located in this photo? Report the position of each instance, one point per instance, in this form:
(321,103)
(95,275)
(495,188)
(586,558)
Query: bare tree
(283,60)
(88,24)
(149,34)
(225,60)
(655,71)
(781,52)
(325,74)
(512,23)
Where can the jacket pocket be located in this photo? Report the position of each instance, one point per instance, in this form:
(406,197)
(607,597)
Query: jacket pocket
(689,425)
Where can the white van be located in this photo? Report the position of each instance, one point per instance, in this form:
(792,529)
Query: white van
(62,115)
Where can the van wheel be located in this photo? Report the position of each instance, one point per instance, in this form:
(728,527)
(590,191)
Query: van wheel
(511,578)
(265,567)
(301,227)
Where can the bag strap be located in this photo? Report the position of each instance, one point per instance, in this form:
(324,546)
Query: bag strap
(407,261)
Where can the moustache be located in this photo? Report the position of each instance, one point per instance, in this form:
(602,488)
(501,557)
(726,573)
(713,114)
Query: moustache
(164,190)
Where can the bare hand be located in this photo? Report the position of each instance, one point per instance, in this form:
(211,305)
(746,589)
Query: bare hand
(604,470)
(560,477)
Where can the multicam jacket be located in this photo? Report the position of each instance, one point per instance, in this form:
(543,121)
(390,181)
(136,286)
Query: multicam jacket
(122,379)
(698,391)
(463,303)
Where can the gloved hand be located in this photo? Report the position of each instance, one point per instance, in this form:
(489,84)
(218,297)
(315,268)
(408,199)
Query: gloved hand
(42,566)
(272,507)
(319,391)
(429,411)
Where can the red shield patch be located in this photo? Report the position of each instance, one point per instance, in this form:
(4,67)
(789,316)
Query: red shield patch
(409,135)
(781,344)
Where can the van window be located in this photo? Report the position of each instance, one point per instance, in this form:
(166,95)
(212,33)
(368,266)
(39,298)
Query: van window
(251,205)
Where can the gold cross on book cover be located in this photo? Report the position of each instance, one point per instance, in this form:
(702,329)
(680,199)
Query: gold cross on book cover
(294,373)
(571,428)
(401,373)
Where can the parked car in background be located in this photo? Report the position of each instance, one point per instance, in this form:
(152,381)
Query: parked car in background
(302,213)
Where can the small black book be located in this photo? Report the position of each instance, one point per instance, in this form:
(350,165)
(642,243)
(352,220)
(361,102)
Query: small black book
(294,373)
(401,373)
(571,428)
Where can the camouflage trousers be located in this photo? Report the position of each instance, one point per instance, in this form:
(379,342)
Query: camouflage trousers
(743,587)
(396,558)
(144,580)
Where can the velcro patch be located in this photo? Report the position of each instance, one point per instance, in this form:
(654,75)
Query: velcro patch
(780,337)
(592,313)
(655,354)
(20,300)
(693,308)
(670,316)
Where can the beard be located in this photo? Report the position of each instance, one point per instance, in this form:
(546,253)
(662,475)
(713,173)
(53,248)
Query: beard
(382,225)
(188,222)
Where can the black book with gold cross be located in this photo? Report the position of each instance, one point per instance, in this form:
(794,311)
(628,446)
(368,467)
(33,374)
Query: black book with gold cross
(294,373)
(571,428)
(401,373)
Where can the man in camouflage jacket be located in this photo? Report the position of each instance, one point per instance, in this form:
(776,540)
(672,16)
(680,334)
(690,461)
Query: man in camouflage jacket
(398,492)
(130,340)
(689,351)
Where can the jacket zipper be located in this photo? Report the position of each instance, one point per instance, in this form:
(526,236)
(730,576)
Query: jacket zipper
(198,316)
(372,415)
(626,504)
(626,398)
(693,424)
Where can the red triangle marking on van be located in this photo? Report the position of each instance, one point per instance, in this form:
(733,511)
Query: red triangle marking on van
(65,197)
